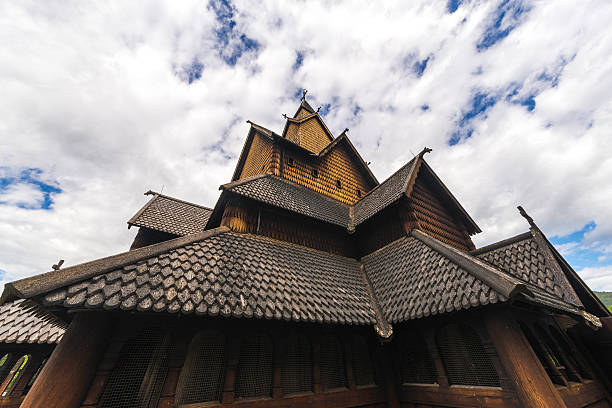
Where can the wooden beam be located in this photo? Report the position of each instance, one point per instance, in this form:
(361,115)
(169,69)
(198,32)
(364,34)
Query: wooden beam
(529,378)
(65,378)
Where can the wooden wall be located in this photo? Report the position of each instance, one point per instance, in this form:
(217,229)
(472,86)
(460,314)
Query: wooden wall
(259,157)
(337,165)
(429,214)
(247,216)
(183,330)
(388,389)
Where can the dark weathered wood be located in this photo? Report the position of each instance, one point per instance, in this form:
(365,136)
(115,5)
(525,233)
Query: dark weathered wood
(66,377)
(534,387)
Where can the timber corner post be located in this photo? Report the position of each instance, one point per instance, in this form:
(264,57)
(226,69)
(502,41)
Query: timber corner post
(534,387)
(66,377)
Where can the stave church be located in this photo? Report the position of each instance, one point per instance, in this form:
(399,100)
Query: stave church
(309,284)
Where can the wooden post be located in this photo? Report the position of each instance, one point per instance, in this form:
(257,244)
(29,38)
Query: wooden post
(389,377)
(534,387)
(65,378)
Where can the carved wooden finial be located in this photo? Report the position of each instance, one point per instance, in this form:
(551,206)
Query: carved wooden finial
(285,115)
(58,265)
(318,109)
(304,92)
(526,216)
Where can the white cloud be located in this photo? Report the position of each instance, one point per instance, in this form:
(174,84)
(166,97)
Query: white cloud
(25,195)
(94,96)
(598,278)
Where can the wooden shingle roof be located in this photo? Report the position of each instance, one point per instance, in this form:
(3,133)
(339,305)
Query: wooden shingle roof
(23,321)
(171,215)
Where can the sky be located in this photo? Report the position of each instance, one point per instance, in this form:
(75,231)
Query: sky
(102,101)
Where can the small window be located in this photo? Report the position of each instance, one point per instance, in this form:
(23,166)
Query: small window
(333,371)
(15,374)
(5,366)
(296,373)
(290,161)
(35,376)
(416,364)
(338,184)
(464,357)
(359,193)
(254,374)
(315,173)
(362,362)
(202,376)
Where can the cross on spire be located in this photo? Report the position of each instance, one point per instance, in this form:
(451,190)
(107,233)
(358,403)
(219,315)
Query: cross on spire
(304,92)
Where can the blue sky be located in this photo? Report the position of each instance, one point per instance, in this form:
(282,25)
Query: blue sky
(103,101)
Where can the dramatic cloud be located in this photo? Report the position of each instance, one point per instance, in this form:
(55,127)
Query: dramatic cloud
(103,101)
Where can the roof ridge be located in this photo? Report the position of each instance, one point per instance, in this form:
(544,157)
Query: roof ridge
(383,327)
(386,180)
(242,181)
(499,244)
(150,192)
(45,282)
(505,284)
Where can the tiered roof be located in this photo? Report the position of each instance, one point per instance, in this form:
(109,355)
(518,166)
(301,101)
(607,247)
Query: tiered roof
(213,271)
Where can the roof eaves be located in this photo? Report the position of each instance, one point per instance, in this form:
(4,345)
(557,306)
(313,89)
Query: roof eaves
(133,220)
(45,282)
(506,285)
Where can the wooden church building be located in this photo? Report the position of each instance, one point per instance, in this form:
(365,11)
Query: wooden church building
(309,284)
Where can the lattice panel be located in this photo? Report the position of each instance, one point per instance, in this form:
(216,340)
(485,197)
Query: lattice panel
(543,355)
(333,371)
(464,357)
(363,372)
(555,354)
(140,371)
(571,353)
(296,373)
(416,364)
(254,373)
(201,379)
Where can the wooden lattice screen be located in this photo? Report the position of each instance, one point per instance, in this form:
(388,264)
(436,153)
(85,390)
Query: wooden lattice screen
(254,372)
(201,379)
(296,374)
(464,357)
(137,379)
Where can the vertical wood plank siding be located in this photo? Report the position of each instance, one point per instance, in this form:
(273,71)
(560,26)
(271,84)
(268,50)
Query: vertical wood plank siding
(248,217)
(259,158)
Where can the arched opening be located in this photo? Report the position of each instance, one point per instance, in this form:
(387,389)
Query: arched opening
(333,371)
(137,379)
(254,371)
(15,375)
(361,359)
(416,364)
(464,357)
(203,373)
(296,372)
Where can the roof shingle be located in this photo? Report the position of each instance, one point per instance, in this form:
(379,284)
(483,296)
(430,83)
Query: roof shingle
(283,194)
(23,321)
(232,274)
(171,215)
